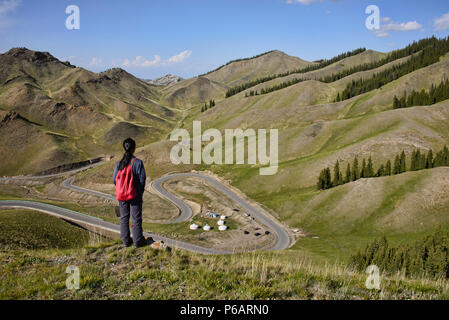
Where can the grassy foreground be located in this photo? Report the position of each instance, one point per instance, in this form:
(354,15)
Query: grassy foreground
(108,271)
(28,229)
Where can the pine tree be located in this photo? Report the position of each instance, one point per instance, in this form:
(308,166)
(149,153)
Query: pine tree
(381,171)
(397,165)
(338,179)
(429,159)
(321,184)
(422,161)
(348,174)
(445,156)
(413,164)
(402,162)
(388,168)
(396,103)
(355,169)
(328,178)
(402,101)
(369,168)
(363,170)
(324,180)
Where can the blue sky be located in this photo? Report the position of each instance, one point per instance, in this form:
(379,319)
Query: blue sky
(152,38)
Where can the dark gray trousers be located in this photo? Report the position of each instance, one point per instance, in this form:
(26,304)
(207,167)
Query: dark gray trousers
(133,208)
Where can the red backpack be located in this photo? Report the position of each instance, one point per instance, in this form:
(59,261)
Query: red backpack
(124,181)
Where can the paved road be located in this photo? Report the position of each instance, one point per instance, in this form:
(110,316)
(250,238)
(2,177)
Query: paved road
(81,218)
(184,209)
(31,177)
(67,183)
(282,241)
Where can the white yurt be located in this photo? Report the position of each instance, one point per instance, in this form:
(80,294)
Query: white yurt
(194,226)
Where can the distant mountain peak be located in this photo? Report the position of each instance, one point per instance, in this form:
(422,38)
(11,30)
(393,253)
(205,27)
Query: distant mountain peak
(30,55)
(116,74)
(115,71)
(166,80)
(37,57)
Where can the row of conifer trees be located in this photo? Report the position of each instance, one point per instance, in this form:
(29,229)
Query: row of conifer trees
(418,161)
(427,56)
(427,257)
(429,51)
(211,105)
(318,65)
(423,98)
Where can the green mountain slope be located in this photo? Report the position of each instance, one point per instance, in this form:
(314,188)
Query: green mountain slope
(273,62)
(314,133)
(93,112)
(192,92)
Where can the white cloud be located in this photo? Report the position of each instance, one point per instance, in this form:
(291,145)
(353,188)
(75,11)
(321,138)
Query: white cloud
(382,34)
(441,23)
(140,61)
(390,25)
(404,26)
(180,57)
(95,61)
(6,7)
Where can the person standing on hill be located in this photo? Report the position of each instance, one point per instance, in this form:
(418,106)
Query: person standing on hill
(129,178)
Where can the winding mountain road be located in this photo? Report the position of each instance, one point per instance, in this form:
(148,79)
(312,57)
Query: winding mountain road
(86,220)
(282,236)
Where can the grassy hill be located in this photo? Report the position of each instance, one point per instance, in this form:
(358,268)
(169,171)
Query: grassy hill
(192,92)
(26,229)
(38,147)
(344,218)
(87,113)
(106,270)
(273,62)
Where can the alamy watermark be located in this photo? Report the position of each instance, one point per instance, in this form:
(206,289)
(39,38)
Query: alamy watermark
(213,152)
(73,20)
(372,22)
(373,279)
(73,280)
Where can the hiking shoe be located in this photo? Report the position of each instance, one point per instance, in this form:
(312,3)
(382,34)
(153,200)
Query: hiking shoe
(127,245)
(146,241)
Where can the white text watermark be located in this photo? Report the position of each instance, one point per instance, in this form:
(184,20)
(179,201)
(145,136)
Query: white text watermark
(73,20)
(213,152)
(73,280)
